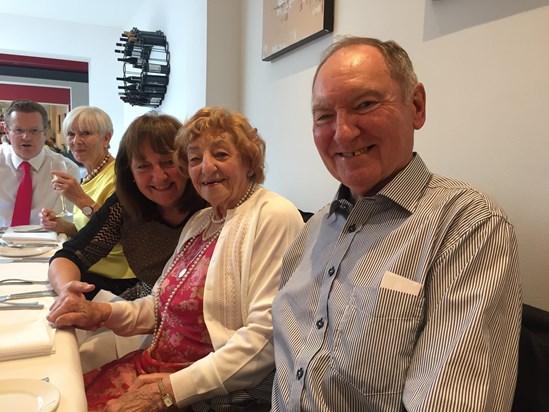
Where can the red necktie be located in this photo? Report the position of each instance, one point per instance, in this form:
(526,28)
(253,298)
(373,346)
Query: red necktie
(22,207)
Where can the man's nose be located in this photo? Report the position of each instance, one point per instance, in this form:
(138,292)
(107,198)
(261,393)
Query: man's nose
(345,126)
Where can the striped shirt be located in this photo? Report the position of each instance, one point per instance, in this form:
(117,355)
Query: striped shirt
(407,300)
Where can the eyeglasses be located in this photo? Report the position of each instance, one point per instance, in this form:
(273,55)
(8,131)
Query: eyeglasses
(31,132)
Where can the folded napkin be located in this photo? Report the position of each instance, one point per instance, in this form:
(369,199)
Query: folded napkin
(23,270)
(26,333)
(13,236)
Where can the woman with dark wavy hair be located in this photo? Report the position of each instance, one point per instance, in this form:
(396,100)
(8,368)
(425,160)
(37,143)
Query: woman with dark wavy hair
(152,202)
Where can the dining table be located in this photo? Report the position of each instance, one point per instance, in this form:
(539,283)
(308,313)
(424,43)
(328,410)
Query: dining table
(58,365)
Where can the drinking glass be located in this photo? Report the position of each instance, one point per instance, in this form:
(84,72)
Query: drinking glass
(60,165)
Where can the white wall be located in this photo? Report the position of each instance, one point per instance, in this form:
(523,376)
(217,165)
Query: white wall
(224,57)
(204,44)
(92,44)
(485,66)
(194,28)
(184,24)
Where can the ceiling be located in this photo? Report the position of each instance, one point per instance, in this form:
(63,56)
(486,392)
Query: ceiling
(83,12)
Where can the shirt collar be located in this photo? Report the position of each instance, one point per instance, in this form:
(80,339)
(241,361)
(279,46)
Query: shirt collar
(36,162)
(405,189)
(407,186)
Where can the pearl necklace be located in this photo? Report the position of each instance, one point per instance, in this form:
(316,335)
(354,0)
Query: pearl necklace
(96,171)
(216,221)
(189,268)
(247,195)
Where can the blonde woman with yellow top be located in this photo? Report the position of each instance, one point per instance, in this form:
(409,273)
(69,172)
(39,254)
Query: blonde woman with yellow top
(88,131)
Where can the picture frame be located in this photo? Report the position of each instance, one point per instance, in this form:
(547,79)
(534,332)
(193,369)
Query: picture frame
(289,24)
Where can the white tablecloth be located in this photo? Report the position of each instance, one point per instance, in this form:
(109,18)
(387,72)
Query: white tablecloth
(63,367)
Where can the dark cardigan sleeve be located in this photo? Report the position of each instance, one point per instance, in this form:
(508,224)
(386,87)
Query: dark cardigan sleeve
(95,240)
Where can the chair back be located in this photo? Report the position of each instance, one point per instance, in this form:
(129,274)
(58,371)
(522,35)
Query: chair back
(532,390)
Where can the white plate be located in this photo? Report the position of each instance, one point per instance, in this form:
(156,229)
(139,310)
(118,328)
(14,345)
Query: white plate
(24,251)
(28,395)
(27,228)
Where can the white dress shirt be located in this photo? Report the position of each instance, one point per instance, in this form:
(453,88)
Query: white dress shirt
(42,193)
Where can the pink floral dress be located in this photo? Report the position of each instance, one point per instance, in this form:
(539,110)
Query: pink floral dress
(182,340)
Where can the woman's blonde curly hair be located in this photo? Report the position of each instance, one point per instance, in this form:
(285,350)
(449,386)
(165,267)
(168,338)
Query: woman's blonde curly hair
(220,122)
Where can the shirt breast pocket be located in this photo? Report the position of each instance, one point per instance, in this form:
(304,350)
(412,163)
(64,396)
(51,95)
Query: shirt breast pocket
(374,341)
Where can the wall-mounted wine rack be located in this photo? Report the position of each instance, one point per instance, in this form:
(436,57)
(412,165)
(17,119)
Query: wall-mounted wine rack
(146,67)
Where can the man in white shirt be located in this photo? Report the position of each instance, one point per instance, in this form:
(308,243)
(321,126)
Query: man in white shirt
(26,123)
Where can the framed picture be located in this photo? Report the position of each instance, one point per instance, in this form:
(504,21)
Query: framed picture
(288,24)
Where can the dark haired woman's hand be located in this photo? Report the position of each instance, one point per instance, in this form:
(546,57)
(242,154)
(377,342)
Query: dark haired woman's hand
(72,309)
(49,221)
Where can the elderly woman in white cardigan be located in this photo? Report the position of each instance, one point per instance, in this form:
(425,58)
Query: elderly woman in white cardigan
(210,312)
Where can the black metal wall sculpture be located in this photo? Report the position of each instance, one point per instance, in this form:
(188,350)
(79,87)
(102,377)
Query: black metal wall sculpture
(146,67)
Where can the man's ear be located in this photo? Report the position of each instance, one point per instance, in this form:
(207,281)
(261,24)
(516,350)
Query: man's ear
(419,102)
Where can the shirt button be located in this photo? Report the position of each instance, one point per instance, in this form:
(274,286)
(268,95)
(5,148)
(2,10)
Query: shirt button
(299,373)
(320,323)
(352,228)
(331,271)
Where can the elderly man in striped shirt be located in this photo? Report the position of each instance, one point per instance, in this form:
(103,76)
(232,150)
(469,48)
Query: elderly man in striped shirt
(404,293)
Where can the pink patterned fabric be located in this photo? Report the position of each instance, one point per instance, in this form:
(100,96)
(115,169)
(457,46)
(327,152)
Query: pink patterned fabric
(183,340)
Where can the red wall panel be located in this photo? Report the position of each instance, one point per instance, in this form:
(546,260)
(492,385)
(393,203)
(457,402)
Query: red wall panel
(40,94)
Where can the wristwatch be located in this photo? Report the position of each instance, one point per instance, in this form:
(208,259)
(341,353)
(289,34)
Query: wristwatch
(88,210)
(166,397)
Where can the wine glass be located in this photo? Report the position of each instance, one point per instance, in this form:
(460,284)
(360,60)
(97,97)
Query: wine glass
(60,165)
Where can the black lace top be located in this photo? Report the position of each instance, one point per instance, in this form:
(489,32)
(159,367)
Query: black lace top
(147,245)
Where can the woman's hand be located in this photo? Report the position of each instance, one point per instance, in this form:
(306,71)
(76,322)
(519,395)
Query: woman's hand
(48,220)
(67,186)
(74,288)
(72,309)
(142,396)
